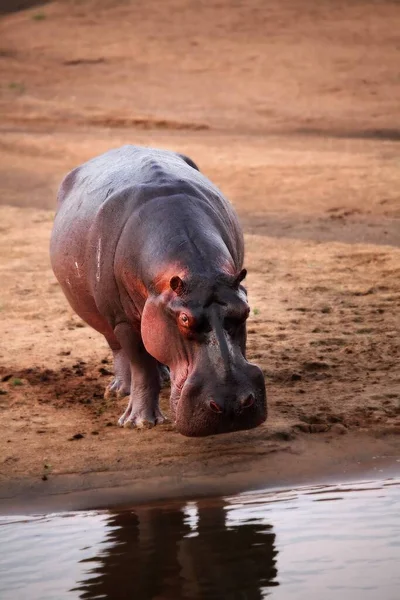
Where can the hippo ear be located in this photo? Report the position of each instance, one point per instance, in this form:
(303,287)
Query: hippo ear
(239,278)
(177,285)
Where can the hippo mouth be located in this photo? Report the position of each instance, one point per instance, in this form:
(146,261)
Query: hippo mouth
(200,421)
(198,413)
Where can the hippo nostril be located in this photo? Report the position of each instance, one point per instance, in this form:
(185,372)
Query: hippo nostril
(215,407)
(248,401)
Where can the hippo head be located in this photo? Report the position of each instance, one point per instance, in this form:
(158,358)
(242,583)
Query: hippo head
(197,326)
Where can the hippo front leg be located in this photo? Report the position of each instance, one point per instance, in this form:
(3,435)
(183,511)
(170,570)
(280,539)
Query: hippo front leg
(143,409)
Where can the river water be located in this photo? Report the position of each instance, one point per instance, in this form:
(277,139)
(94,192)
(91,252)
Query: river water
(318,542)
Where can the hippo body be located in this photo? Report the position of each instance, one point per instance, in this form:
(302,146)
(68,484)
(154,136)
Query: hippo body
(149,253)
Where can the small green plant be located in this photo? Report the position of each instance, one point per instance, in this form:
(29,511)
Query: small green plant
(39,16)
(17,381)
(256,311)
(17,87)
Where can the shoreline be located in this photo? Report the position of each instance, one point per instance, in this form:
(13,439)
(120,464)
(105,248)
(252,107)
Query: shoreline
(304,463)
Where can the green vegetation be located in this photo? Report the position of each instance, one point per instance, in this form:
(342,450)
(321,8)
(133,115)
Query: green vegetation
(17,87)
(39,16)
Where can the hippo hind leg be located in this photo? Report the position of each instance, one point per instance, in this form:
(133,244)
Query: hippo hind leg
(85,307)
(120,386)
(164,374)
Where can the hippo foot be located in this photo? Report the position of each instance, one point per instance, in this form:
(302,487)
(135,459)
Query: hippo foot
(116,389)
(143,418)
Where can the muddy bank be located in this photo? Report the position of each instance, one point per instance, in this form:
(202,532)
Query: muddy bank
(304,460)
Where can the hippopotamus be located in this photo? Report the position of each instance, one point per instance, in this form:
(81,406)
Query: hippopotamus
(149,253)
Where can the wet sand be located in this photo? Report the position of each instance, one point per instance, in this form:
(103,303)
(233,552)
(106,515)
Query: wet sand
(304,461)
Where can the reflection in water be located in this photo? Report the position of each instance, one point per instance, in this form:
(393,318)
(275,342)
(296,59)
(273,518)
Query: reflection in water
(334,541)
(186,553)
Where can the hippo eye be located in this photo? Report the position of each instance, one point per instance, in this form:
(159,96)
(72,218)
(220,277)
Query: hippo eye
(184,319)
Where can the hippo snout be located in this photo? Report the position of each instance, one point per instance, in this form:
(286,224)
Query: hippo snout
(206,409)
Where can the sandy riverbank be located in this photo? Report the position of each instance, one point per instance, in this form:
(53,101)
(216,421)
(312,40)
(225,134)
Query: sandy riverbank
(305,148)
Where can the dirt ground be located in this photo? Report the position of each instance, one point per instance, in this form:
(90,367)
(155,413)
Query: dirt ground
(292,109)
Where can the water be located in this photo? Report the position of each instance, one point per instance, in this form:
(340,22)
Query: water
(340,542)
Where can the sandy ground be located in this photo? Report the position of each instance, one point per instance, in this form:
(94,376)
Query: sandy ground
(293,111)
